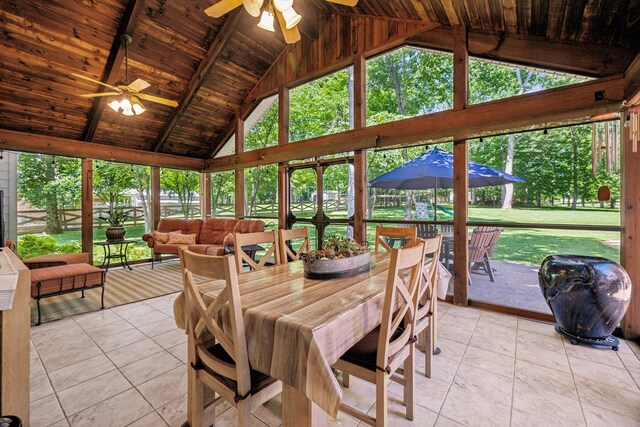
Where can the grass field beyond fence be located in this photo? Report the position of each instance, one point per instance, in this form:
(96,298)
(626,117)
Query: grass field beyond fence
(520,245)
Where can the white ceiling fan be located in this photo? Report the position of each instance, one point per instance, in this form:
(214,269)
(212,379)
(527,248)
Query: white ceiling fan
(283,11)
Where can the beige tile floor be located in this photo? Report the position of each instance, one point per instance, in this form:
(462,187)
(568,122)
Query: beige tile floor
(126,366)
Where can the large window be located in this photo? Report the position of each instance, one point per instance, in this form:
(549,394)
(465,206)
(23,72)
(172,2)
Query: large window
(125,188)
(261,191)
(408,82)
(223,194)
(179,194)
(489,81)
(321,107)
(49,193)
(261,127)
(559,197)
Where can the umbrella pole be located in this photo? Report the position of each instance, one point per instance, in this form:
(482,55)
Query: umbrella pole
(435,202)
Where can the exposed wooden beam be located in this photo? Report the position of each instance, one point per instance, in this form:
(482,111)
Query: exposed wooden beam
(239,175)
(568,104)
(632,83)
(460,170)
(155,197)
(283,139)
(630,220)
(87,208)
(114,61)
(450,10)
(200,76)
(567,56)
(34,143)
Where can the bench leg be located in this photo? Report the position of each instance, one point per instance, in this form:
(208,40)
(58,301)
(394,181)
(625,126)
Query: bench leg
(38,304)
(82,293)
(102,298)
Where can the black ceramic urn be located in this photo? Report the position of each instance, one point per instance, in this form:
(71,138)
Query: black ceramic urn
(588,296)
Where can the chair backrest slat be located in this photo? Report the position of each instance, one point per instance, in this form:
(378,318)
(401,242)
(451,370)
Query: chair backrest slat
(407,233)
(427,294)
(242,240)
(480,243)
(204,321)
(400,301)
(286,252)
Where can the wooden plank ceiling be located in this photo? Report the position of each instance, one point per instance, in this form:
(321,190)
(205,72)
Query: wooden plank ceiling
(43,42)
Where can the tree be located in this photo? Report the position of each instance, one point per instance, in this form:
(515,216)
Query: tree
(49,183)
(181,184)
(222,186)
(110,180)
(142,176)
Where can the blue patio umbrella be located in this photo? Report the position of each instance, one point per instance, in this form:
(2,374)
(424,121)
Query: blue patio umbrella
(434,169)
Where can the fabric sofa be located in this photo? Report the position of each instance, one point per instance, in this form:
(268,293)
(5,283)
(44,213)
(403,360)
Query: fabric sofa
(212,234)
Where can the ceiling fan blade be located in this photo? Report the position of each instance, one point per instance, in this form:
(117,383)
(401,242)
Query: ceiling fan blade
(222,7)
(157,99)
(96,95)
(345,2)
(290,36)
(138,85)
(94,81)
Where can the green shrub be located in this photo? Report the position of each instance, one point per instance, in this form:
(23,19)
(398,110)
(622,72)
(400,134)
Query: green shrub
(31,245)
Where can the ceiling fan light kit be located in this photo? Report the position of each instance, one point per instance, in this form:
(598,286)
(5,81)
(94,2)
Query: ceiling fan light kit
(266,21)
(128,94)
(282,10)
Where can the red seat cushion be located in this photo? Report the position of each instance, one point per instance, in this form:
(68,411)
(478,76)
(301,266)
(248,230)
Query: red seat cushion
(214,230)
(56,259)
(216,250)
(187,226)
(62,278)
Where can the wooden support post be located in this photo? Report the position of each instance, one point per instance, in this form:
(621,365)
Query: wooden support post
(239,175)
(155,197)
(460,169)
(360,195)
(87,207)
(205,195)
(630,220)
(359,92)
(283,139)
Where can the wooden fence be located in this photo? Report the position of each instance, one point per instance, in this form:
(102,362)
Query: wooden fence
(35,221)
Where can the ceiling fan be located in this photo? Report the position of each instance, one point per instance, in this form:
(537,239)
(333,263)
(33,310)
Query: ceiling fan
(287,17)
(128,103)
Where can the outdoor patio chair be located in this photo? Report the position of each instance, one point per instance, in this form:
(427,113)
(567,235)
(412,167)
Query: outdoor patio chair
(391,346)
(426,231)
(287,252)
(217,354)
(247,245)
(479,246)
(387,236)
(492,246)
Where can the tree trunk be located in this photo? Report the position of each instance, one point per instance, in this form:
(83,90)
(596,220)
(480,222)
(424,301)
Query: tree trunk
(507,189)
(53,218)
(144,191)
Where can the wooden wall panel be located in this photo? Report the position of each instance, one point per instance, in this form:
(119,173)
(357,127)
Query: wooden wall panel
(87,207)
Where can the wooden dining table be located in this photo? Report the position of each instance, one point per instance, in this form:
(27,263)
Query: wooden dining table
(296,328)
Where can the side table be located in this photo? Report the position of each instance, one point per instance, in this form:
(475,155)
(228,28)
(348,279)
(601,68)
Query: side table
(119,253)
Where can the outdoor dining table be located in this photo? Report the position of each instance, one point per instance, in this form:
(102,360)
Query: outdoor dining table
(296,328)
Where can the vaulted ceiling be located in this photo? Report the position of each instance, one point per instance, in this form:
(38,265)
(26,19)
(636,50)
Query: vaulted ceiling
(212,66)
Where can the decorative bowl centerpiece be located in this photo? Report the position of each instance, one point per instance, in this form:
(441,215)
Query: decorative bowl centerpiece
(339,257)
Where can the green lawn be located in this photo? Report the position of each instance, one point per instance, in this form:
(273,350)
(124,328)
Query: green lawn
(529,246)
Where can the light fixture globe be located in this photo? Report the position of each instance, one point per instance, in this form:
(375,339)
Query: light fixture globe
(253,7)
(291,18)
(283,5)
(266,21)
(114,105)
(126,107)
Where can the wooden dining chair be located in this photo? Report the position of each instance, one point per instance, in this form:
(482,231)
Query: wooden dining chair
(426,315)
(242,240)
(391,346)
(217,353)
(289,253)
(393,233)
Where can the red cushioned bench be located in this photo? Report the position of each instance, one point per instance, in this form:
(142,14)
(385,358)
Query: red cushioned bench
(53,275)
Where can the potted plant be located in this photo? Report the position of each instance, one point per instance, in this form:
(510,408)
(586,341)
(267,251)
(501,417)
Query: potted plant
(339,257)
(116,218)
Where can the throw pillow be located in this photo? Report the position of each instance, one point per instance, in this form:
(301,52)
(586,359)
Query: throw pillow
(164,237)
(182,239)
